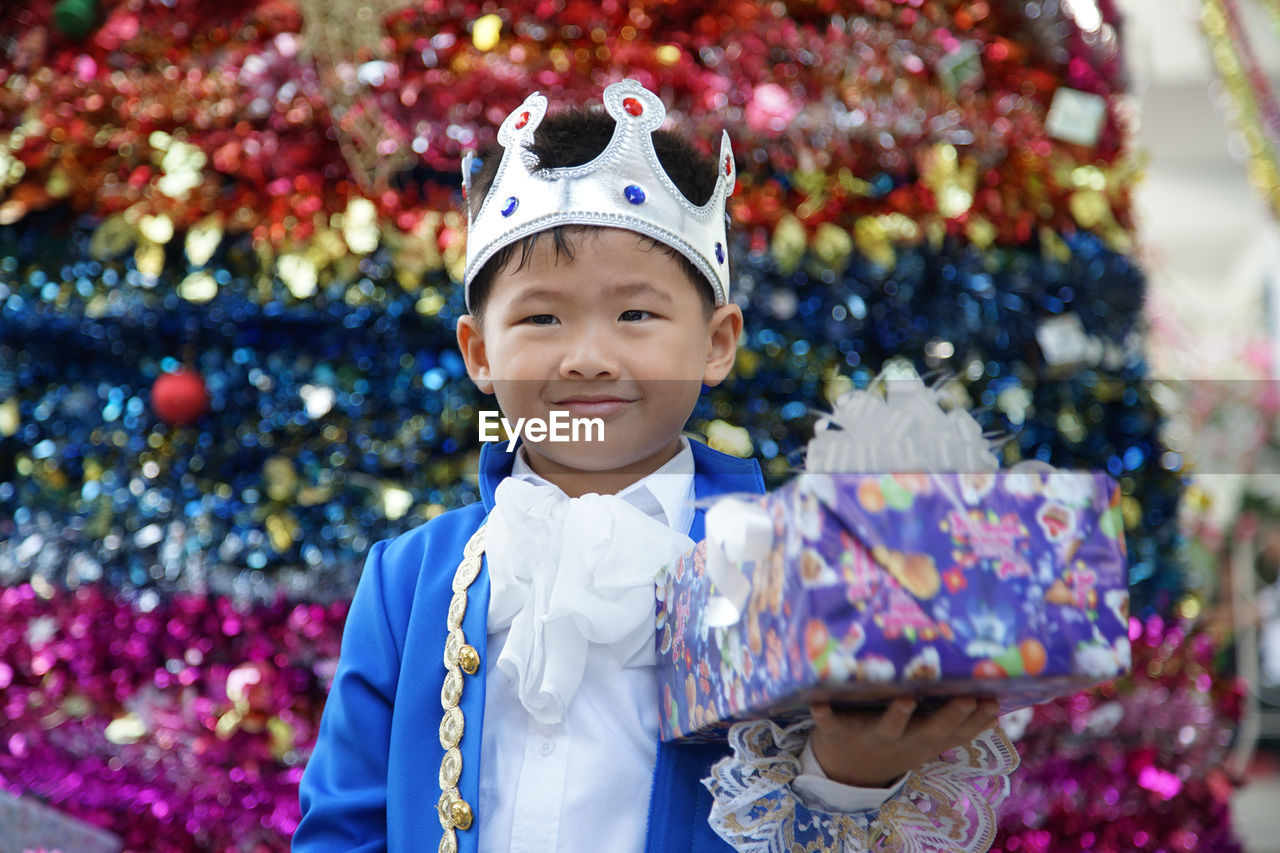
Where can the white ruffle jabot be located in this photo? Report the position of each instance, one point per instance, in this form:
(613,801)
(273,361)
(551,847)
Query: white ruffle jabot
(947,806)
(565,572)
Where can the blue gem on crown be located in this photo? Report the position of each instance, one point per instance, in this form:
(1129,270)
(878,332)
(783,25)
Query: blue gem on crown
(511,205)
(634,194)
(719,253)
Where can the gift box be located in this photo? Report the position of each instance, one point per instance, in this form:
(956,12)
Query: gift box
(857,588)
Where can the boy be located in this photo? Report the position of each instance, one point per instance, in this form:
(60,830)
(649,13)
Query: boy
(597,282)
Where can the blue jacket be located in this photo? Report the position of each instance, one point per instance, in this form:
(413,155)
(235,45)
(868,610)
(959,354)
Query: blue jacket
(373,781)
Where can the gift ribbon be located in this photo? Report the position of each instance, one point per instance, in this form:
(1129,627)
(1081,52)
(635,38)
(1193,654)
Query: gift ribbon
(906,430)
(737,532)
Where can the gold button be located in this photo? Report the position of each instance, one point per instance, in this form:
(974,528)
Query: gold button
(468,659)
(461,814)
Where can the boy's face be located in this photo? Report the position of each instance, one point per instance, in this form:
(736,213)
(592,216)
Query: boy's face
(617,333)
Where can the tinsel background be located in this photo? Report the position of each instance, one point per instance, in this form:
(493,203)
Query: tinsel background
(263,194)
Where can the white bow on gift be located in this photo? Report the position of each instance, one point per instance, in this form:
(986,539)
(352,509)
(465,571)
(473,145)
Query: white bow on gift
(737,532)
(565,572)
(905,429)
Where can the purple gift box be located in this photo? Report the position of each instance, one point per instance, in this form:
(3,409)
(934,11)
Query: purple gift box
(856,588)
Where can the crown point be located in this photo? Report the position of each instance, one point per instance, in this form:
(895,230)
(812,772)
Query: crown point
(510,207)
(634,194)
(522,120)
(632,106)
(719,253)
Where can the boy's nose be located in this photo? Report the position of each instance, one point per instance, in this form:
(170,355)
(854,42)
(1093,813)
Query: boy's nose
(589,356)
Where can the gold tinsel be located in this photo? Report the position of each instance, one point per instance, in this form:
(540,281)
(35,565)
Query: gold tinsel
(339,37)
(1230,60)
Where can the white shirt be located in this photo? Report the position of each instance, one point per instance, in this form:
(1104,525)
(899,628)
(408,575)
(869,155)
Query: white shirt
(591,773)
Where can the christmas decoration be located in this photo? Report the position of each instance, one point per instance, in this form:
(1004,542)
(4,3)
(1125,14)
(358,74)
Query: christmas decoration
(196,713)
(350,55)
(270,190)
(1124,767)
(1252,98)
(179,397)
(203,713)
(831,138)
(75,18)
(360,387)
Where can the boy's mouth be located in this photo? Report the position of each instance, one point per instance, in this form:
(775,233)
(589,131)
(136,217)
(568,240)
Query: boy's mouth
(592,405)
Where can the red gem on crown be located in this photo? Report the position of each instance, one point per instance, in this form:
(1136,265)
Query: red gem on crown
(728,165)
(632,106)
(522,121)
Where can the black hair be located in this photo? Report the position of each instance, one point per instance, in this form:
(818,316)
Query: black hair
(574,137)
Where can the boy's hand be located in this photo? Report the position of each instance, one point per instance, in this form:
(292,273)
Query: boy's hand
(871,749)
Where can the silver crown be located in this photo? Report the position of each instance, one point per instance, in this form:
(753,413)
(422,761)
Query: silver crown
(624,187)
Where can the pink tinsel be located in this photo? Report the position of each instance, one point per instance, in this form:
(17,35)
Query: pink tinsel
(1136,765)
(213,711)
(182,727)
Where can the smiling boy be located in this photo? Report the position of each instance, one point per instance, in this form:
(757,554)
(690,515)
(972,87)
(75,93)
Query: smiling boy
(632,349)
(598,283)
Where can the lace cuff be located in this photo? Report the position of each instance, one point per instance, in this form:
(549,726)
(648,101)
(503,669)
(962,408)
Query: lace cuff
(947,805)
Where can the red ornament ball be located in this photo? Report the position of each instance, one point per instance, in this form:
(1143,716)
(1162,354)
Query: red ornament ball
(179,397)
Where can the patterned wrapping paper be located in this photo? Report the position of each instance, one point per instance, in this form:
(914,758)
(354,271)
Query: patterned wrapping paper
(1010,584)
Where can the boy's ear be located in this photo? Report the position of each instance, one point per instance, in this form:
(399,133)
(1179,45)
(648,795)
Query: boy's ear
(724,329)
(474,355)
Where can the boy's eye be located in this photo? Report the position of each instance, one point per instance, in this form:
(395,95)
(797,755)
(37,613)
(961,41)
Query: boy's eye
(634,315)
(541,319)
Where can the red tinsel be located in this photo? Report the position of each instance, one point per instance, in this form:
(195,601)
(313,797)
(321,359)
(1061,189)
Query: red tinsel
(810,97)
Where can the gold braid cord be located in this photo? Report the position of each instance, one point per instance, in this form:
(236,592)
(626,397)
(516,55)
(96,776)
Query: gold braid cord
(947,806)
(459,658)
